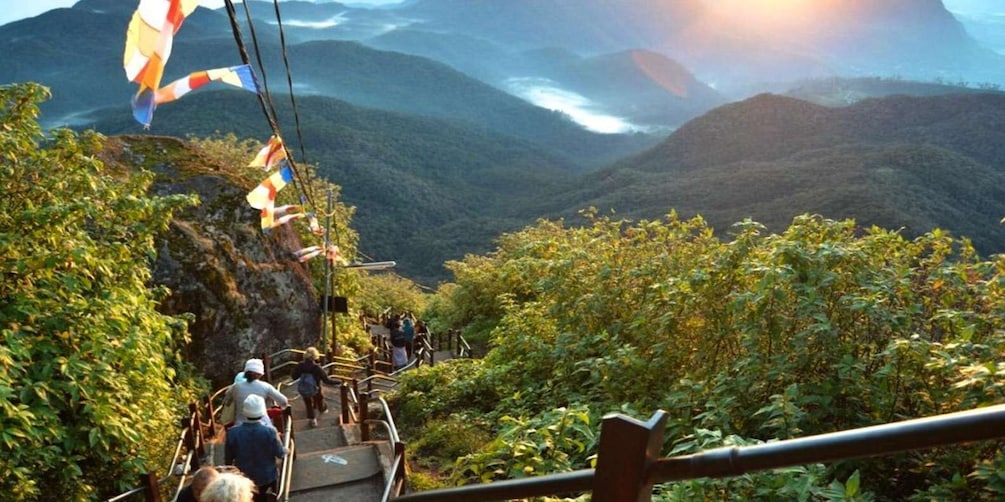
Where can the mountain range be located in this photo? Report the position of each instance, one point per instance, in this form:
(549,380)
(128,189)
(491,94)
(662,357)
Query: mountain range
(441,121)
(910,163)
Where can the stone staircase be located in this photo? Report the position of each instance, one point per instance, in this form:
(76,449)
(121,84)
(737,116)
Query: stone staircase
(330,462)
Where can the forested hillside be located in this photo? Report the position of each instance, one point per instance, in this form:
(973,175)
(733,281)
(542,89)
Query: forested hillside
(426,190)
(911,163)
(742,338)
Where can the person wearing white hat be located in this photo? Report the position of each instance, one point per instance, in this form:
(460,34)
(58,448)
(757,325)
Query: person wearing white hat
(253,447)
(254,385)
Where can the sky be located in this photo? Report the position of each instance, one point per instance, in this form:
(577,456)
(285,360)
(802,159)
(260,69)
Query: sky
(17,9)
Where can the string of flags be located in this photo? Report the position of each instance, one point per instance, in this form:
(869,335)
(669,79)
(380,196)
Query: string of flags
(149,40)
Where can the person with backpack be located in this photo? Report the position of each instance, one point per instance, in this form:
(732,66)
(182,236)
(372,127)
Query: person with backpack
(408,328)
(310,377)
(399,355)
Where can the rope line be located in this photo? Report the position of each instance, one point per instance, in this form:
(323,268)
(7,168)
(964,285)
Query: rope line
(264,96)
(289,80)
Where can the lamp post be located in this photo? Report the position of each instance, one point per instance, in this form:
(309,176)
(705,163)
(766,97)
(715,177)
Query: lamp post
(330,266)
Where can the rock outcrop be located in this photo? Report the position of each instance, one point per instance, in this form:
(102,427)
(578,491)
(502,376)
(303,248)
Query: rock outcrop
(243,291)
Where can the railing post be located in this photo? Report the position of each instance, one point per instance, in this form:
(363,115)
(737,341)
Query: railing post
(371,362)
(151,490)
(627,449)
(267,362)
(364,415)
(212,417)
(195,435)
(399,452)
(344,400)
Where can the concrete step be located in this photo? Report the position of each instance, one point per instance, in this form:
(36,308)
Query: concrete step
(325,420)
(319,439)
(335,467)
(364,490)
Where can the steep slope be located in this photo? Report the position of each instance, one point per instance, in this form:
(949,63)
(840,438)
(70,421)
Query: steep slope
(426,190)
(915,163)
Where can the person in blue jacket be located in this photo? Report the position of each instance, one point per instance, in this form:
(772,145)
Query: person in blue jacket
(253,448)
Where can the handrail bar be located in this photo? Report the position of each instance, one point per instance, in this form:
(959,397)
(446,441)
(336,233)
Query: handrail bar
(289,445)
(940,430)
(181,478)
(170,469)
(393,475)
(392,433)
(411,364)
(392,429)
(379,376)
(284,351)
(919,433)
(122,496)
(339,365)
(354,399)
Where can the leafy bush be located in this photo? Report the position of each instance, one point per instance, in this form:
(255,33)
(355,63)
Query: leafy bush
(91,379)
(823,327)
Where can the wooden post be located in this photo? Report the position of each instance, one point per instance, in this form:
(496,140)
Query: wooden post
(151,489)
(371,362)
(195,435)
(212,419)
(344,401)
(267,362)
(399,452)
(627,449)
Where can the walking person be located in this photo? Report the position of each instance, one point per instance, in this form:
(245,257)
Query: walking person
(254,447)
(408,328)
(311,376)
(203,477)
(254,369)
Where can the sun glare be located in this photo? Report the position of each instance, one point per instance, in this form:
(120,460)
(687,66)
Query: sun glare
(771,17)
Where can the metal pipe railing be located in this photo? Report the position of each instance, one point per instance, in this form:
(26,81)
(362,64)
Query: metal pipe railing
(941,430)
(920,433)
(286,479)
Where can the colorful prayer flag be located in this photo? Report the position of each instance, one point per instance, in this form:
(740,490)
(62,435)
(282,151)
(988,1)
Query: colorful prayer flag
(315,226)
(265,193)
(237,76)
(270,155)
(149,39)
(308,253)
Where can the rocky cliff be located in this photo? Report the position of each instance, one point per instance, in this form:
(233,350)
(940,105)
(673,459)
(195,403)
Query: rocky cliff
(243,291)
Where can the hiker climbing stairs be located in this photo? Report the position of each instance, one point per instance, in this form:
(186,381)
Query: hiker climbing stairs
(331,462)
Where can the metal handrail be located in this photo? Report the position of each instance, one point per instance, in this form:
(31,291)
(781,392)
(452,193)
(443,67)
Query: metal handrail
(393,475)
(392,433)
(940,430)
(170,469)
(181,478)
(283,489)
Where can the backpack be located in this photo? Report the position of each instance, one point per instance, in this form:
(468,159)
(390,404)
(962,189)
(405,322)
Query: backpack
(307,386)
(398,338)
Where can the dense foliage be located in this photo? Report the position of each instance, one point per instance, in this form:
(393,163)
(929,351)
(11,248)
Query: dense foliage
(91,372)
(821,328)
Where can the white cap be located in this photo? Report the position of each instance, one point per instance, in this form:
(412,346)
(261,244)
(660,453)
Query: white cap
(254,407)
(255,366)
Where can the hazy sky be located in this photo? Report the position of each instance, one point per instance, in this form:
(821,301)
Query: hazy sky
(16,9)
